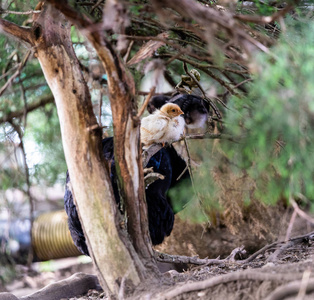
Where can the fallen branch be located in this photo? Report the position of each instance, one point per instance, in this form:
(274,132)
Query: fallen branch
(181,259)
(194,260)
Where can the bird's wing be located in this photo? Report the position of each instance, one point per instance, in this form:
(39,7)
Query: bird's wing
(158,128)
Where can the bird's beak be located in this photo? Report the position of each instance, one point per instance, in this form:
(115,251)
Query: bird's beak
(181,112)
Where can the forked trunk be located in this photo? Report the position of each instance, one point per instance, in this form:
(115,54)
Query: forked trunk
(112,253)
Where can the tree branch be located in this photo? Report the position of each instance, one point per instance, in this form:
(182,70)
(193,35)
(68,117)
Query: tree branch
(264,19)
(149,96)
(30,107)
(20,133)
(21,33)
(17,73)
(19,12)
(208,18)
(126,143)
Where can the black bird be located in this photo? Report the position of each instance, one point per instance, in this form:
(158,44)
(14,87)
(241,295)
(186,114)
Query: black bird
(160,207)
(157,102)
(195,108)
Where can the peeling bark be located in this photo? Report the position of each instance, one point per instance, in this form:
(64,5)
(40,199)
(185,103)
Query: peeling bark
(21,33)
(89,178)
(109,246)
(126,143)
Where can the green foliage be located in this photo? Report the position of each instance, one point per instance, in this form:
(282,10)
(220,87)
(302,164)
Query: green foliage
(43,132)
(263,8)
(274,123)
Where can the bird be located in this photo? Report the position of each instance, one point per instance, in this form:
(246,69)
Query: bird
(157,102)
(160,206)
(163,126)
(195,108)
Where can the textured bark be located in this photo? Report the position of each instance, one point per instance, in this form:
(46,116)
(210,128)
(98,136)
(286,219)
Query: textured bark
(21,33)
(113,254)
(127,149)
(126,141)
(82,147)
(77,284)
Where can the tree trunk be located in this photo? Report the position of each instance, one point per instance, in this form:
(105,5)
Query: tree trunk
(113,255)
(126,132)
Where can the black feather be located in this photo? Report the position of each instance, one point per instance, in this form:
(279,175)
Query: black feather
(157,102)
(73,219)
(195,108)
(160,209)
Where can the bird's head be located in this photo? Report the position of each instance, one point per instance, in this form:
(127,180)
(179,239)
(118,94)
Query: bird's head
(171,110)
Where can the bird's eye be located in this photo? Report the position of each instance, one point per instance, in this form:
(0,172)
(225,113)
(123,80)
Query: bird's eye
(173,110)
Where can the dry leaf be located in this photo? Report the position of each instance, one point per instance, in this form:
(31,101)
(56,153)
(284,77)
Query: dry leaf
(147,49)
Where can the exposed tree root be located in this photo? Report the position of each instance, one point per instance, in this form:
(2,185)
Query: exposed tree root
(77,284)
(236,276)
(290,289)
(289,284)
(240,252)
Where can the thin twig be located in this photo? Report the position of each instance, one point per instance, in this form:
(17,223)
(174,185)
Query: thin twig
(17,72)
(294,240)
(100,109)
(18,130)
(126,56)
(174,57)
(264,19)
(149,96)
(23,98)
(96,5)
(29,12)
(211,104)
(273,257)
(291,223)
(179,177)
(16,114)
(142,93)
(8,72)
(95,126)
(208,135)
(300,212)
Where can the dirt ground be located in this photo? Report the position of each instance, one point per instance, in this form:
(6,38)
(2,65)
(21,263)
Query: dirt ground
(277,271)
